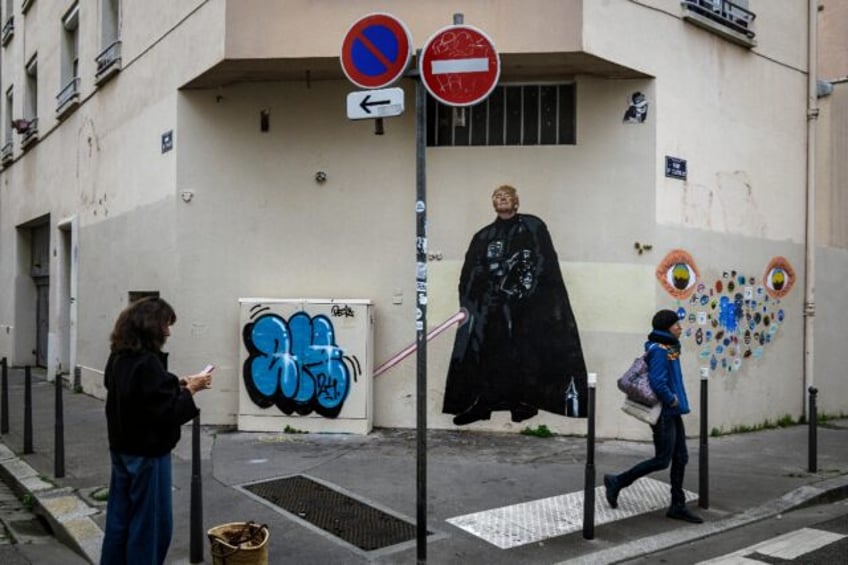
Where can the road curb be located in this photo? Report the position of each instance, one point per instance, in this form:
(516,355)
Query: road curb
(827,490)
(68,515)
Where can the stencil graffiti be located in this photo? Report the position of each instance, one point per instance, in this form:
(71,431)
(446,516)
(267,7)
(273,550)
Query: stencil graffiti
(296,364)
(637,109)
(735,317)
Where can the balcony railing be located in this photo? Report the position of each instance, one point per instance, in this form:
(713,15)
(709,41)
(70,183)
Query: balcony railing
(8,30)
(724,12)
(108,62)
(6,154)
(30,134)
(68,97)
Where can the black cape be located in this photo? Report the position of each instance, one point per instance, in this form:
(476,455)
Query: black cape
(519,343)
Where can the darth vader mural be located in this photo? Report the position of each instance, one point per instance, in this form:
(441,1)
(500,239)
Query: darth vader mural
(519,348)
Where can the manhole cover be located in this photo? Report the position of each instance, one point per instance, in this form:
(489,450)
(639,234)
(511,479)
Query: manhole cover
(353,521)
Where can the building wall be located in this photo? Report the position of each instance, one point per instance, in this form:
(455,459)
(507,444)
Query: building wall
(233,212)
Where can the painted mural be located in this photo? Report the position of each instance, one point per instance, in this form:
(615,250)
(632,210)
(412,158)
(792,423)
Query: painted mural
(519,348)
(732,317)
(296,364)
(637,109)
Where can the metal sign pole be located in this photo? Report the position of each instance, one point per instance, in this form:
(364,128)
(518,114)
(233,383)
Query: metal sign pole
(421,312)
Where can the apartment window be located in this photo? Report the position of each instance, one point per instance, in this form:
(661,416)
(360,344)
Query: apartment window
(30,118)
(533,114)
(8,22)
(68,97)
(109,59)
(6,150)
(729,18)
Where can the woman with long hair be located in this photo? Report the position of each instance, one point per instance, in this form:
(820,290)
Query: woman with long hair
(145,408)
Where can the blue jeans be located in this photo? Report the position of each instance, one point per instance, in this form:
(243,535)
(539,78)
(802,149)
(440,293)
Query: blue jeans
(139,516)
(669,448)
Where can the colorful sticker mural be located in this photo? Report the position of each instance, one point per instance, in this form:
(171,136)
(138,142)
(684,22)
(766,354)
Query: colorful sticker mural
(730,319)
(296,364)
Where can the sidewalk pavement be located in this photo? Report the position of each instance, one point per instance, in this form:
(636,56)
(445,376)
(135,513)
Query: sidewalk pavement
(752,477)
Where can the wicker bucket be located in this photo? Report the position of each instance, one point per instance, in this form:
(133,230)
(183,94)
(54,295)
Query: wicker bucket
(239,543)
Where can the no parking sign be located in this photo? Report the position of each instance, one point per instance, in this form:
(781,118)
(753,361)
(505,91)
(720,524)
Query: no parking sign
(376,51)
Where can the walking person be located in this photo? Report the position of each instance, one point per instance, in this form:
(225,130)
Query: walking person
(145,407)
(666,377)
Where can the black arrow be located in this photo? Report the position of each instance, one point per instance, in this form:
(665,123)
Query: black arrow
(365,103)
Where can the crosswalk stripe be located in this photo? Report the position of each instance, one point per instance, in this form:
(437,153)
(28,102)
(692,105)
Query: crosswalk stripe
(536,520)
(788,546)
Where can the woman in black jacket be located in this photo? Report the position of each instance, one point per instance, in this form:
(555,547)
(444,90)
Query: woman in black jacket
(145,407)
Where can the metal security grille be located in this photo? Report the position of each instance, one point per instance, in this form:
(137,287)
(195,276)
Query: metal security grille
(353,521)
(531,114)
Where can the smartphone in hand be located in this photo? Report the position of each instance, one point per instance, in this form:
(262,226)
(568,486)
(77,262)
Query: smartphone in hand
(208,369)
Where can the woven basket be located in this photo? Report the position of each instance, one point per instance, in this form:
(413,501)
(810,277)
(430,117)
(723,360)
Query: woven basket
(239,543)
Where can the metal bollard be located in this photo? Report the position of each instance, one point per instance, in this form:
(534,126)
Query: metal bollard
(704,448)
(813,423)
(4,397)
(589,479)
(59,432)
(27,409)
(77,378)
(196,511)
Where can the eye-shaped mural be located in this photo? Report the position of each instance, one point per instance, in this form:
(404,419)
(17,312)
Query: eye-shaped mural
(732,318)
(677,273)
(779,277)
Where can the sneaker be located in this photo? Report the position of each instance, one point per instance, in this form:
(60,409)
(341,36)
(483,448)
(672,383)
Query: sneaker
(611,489)
(683,513)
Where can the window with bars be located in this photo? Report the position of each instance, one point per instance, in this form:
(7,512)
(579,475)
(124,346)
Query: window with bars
(532,114)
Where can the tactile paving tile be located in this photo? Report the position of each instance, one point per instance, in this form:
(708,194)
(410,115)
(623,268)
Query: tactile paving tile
(528,522)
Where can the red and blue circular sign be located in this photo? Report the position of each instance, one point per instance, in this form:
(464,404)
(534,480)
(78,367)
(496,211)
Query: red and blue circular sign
(376,51)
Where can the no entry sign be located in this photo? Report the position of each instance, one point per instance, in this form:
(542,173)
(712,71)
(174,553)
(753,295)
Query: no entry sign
(376,51)
(459,65)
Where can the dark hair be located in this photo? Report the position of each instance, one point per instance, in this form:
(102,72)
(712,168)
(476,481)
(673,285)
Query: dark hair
(141,326)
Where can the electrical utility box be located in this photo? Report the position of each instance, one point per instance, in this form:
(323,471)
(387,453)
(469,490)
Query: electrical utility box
(306,365)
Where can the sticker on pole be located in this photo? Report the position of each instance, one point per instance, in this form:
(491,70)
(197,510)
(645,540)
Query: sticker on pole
(459,65)
(376,51)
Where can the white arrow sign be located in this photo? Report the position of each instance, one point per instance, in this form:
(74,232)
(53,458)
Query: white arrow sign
(371,104)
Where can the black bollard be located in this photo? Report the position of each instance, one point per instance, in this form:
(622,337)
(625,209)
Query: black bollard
(589,478)
(27,409)
(196,510)
(4,397)
(704,450)
(59,432)
(813,440)
(77,379)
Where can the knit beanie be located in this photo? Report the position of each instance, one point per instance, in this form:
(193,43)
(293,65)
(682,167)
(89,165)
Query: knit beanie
(664,319)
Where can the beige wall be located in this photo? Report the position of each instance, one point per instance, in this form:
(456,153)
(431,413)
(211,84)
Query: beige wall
(258,224)
(258,29)
(833,26)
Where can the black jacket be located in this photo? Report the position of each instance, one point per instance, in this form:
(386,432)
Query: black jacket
(145,404)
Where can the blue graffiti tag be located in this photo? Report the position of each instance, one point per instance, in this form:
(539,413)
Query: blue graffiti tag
(295,365)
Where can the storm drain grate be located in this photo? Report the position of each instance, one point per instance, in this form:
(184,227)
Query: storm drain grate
(349,519)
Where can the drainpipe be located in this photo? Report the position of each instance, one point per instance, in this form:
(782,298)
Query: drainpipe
(810,240)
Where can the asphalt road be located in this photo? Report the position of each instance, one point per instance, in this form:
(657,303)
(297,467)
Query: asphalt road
(802,524)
